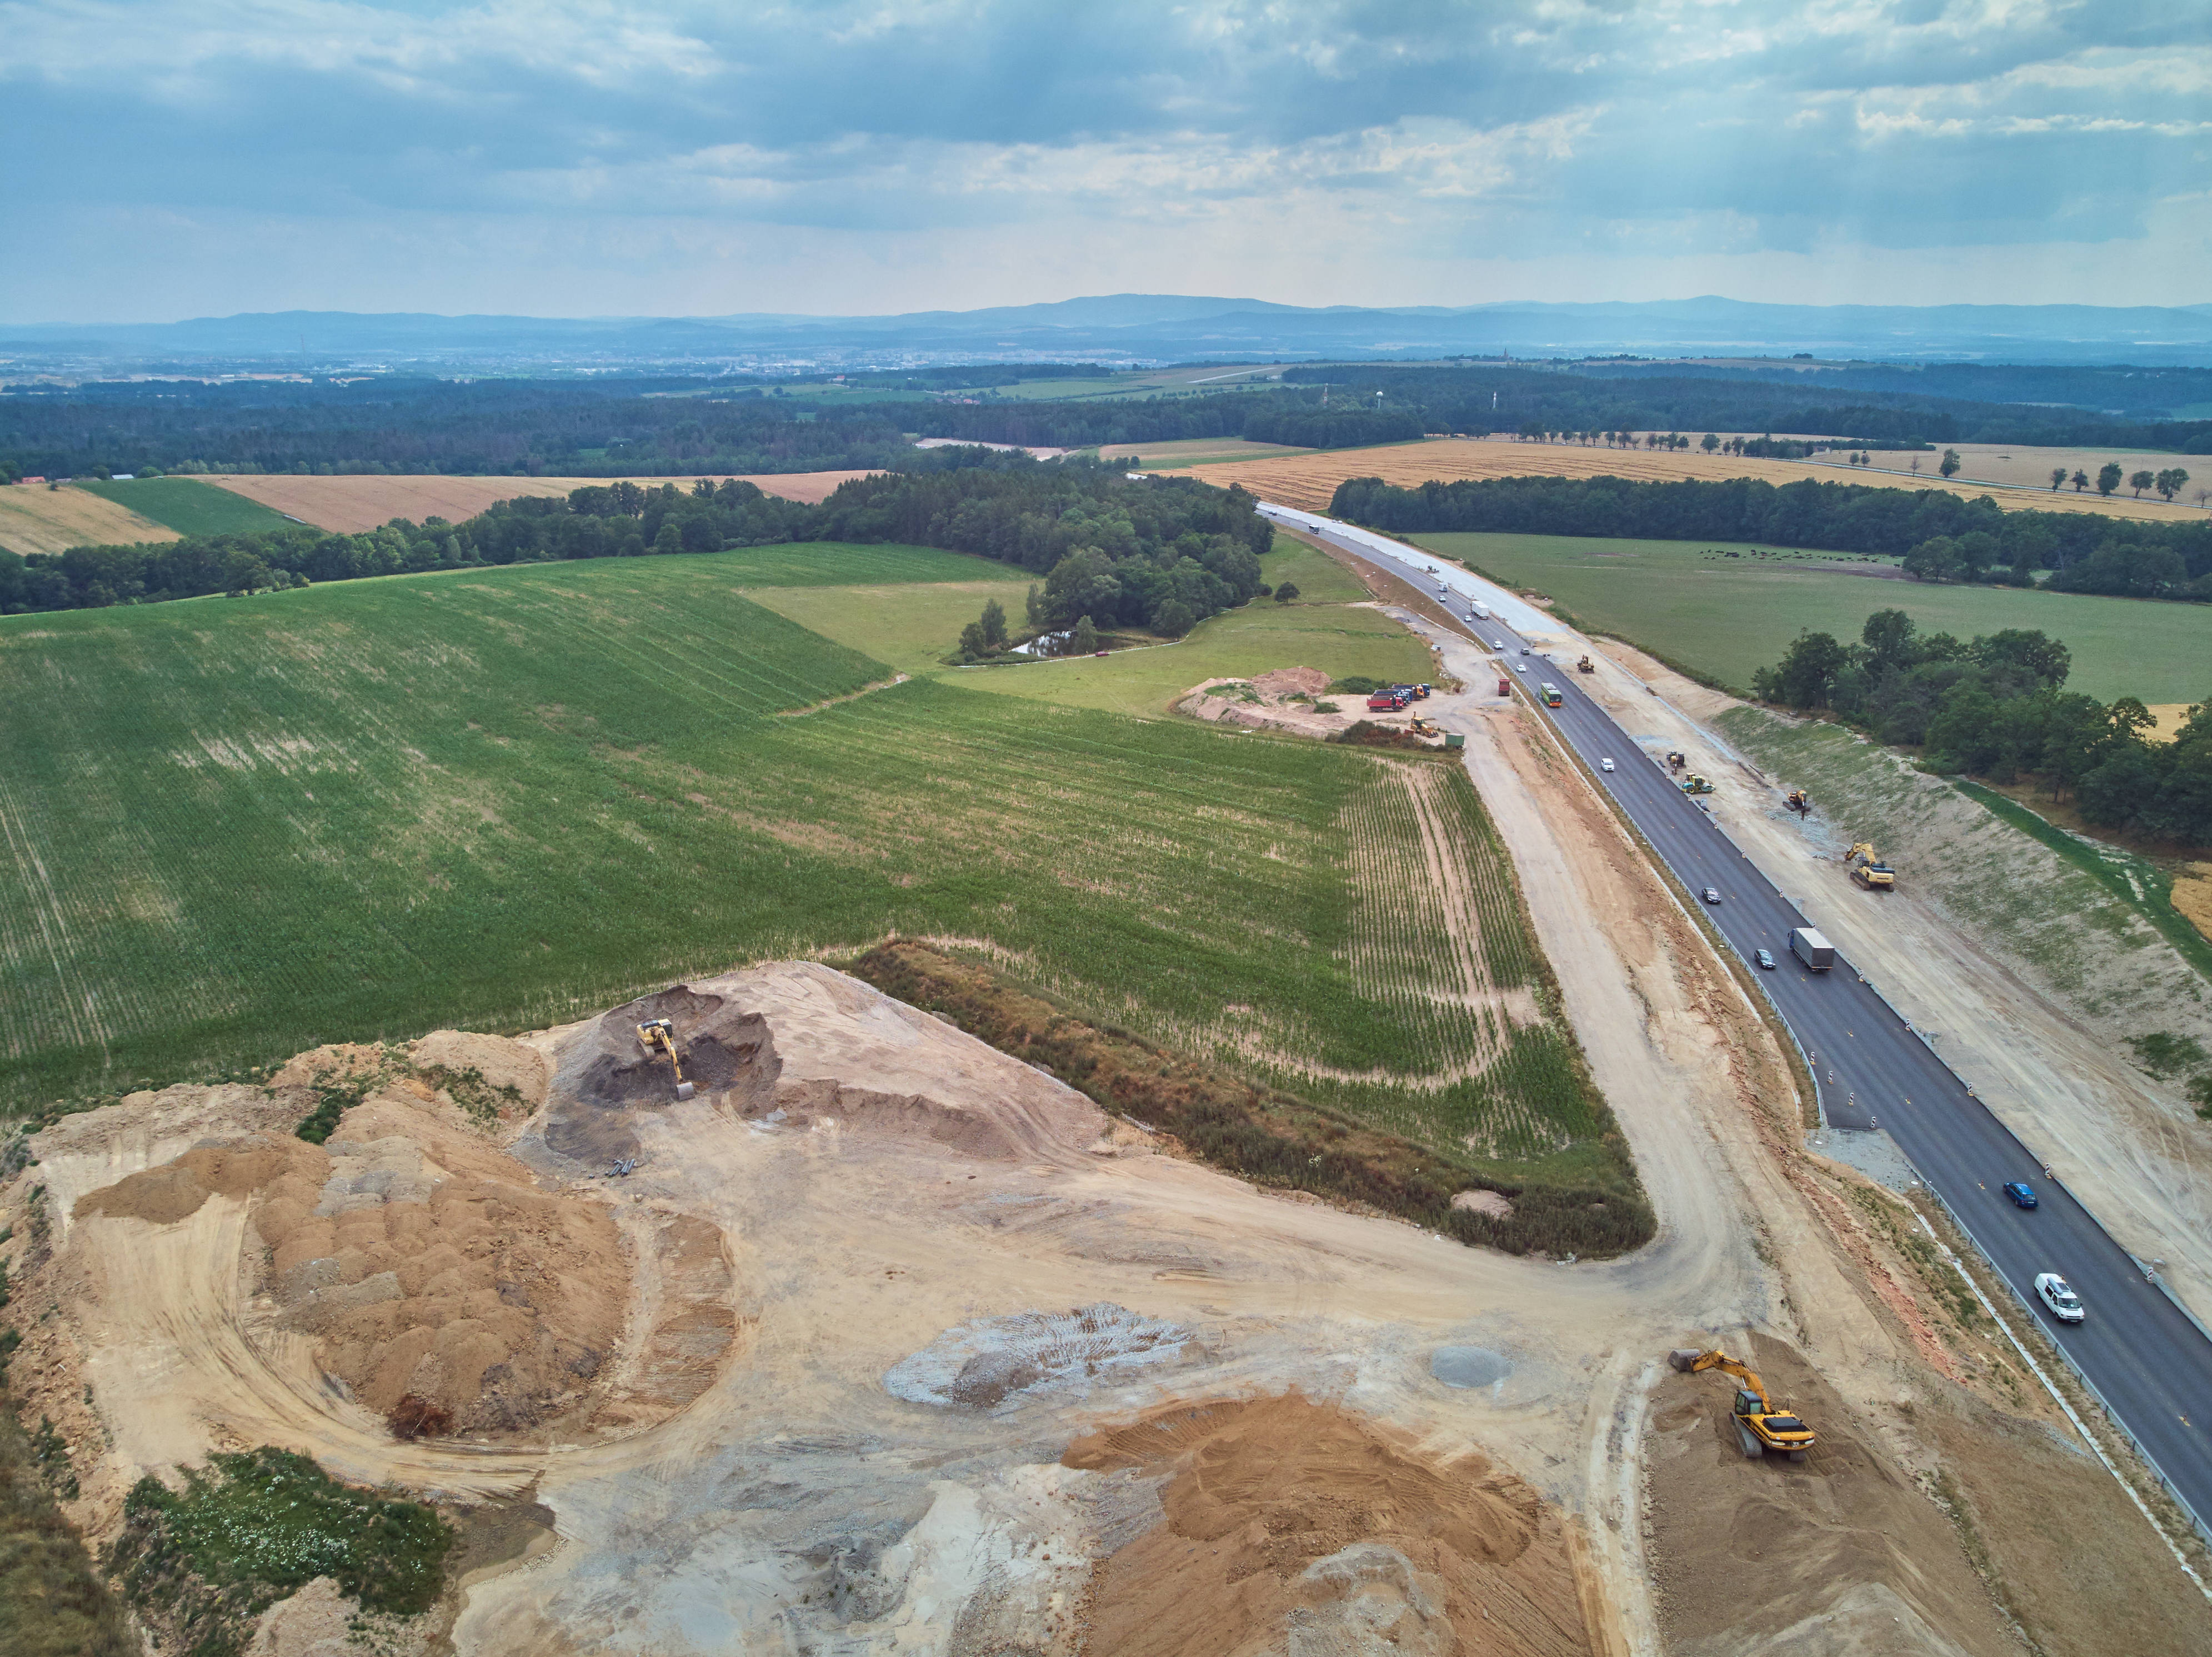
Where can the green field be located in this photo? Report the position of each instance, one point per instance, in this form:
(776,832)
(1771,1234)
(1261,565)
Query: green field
(1729,616)
(191,508)
(500,799)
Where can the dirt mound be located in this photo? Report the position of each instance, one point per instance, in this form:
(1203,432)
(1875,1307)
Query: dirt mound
(502,1063)
(422,1260)
(1291,681)
(797,1043)
(1285,1516)
(1748,1551)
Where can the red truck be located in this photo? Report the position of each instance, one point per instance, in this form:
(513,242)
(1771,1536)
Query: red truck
(1385,701)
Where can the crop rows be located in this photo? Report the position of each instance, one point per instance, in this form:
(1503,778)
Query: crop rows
(502,800)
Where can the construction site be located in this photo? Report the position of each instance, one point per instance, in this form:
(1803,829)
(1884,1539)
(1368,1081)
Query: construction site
(769,1313)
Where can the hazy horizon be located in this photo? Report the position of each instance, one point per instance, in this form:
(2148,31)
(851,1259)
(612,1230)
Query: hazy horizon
(672,159)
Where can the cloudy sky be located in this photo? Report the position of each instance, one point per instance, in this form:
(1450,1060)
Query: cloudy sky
(177,158)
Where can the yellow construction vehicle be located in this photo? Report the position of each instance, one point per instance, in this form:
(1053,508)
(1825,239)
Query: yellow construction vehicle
(658,1035)
(1694,784)
(1868,870)
(1798,802)
(1760,1426)
(1676,761)
(1585,666)
(1420,726)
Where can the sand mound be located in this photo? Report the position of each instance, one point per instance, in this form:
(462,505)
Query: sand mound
(1285,1516)
(95,1148)
(502,1063)
(796,1043)
(1756,1554)
(1291,681)
(423,1259)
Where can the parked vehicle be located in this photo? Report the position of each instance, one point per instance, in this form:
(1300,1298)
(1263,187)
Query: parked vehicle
(1814,950)
(2021,1192)
(2058,1294)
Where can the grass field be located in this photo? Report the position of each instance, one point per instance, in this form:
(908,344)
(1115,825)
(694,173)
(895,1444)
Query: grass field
(1726,618)
(501,798)
(35,518)
(1308,481)
(190,507)
(914,627)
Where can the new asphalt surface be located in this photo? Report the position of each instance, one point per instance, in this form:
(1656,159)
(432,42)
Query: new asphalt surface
(2151,1363)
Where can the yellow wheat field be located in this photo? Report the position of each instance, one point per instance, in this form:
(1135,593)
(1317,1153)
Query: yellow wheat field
(35,518)
(1307,482)
(349,505)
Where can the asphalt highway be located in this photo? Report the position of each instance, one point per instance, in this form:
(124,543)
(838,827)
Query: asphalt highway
(2152,1365)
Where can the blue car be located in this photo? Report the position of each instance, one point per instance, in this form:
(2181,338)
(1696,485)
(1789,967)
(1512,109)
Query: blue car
(2022,1195)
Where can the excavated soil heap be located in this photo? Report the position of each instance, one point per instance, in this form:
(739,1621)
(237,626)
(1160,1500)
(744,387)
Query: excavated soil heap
(1839,1555)
(726,1052)
(423,1257)
(1286,1518)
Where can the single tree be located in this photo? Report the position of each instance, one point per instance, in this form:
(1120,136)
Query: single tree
(2139,481)
(1086,642)
(2168,482)
(2108,479)
(2057,478)
(1285,593)
(1712,441)
(993,624)
(2080,481)
(1949,467)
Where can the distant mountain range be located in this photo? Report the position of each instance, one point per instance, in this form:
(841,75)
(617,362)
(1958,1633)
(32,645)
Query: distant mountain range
(1130,328)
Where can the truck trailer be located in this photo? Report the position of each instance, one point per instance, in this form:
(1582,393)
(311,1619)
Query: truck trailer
(1814,950)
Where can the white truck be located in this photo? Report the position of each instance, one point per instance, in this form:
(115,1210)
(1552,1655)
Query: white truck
(1814,950)
(1482,612)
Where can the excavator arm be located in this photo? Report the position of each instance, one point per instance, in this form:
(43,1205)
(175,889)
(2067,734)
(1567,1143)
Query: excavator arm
(658,1035)
(1760,1426)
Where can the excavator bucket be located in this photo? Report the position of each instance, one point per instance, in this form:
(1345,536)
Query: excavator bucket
(1683,1357)
(685,1090)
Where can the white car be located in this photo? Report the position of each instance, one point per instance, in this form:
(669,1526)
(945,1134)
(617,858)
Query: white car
(2058,1294)
(1498,644)
(1519,667)
(1604,765)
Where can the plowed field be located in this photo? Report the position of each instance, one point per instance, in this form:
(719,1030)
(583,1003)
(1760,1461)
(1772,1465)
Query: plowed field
(351,505)
(1307,482)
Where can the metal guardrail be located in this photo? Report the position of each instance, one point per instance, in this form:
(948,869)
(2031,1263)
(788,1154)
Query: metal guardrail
(2112,1416)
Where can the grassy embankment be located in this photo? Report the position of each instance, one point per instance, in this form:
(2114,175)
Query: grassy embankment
(498,800)
(2073,922)
(1726,618)
(190,507)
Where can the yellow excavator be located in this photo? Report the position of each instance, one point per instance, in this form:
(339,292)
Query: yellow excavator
(658,1035)
(1760,1426)
(1798,802)
(1422,727)
(1868,870)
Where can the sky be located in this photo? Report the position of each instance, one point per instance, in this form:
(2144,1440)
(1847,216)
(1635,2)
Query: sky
(177,158)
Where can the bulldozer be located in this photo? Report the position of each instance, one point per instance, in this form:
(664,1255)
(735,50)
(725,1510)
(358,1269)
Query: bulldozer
(1694,784)
(1798,802)
(1760,1426)
(1585,666)
(1868,870)
(658,1035)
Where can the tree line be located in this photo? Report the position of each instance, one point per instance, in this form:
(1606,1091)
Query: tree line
(1158,553)
(1947,534)
(1997,708)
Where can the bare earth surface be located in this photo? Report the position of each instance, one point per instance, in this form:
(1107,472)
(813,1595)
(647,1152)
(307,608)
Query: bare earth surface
(1308,481)
(35,518)
(917,1350)
(352,504)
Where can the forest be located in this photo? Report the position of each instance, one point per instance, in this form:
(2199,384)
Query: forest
(2087,553)
(1161,553)
(1998,707)
(638,426)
